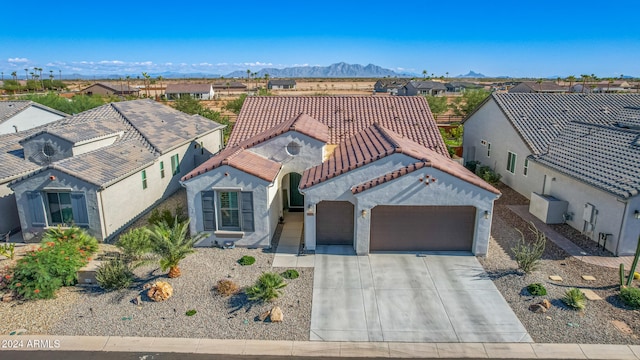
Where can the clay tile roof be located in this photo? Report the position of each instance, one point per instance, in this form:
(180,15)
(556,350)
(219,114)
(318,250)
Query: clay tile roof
(376,142)
(241,159)
(188,88)
(302,123)
(345,116)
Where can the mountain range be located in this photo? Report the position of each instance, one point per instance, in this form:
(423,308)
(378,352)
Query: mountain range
(337,70)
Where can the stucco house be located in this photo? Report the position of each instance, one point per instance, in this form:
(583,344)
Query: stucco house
(110,89)
(22,115)
(103,168)
(368,172)
(575,156)
(390,85)
(196,91)
(281,84)
(541,87)
(413,88)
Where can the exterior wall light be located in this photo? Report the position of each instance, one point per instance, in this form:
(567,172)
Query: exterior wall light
(486,214)
(636,214)
(52,177)
(310,209)
(363,213)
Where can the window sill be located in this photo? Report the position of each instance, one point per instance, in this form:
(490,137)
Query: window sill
(228,234)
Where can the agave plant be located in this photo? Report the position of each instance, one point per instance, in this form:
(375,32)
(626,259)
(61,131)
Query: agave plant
(172,244)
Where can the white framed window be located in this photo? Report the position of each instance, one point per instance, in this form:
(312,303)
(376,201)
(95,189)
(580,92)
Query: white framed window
(511,162)
(525,169)
(144,179)
(230,210)
(175,164)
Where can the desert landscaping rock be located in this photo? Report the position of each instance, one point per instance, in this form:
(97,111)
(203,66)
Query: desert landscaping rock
(276,314)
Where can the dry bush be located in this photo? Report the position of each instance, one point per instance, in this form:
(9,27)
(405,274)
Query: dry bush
(227,287)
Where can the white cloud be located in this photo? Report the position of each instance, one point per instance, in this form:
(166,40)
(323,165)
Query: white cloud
(17,60)
(115,62)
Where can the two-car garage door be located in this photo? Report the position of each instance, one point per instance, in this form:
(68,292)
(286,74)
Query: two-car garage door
(399,228)
(422,228)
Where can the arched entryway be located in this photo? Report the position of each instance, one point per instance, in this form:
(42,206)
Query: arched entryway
(292,199)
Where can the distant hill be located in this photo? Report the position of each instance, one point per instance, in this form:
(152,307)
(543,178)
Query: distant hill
(472,74)
(338,70)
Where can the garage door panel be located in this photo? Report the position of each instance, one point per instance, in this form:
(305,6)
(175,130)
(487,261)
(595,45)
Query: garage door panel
(334,223)
(422,228)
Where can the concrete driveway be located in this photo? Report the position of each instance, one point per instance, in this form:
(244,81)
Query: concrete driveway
(444,297)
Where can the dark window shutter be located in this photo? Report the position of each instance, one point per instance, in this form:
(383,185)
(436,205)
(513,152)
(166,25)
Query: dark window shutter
(79,206)
(208,210)
(247,211)
(36,208)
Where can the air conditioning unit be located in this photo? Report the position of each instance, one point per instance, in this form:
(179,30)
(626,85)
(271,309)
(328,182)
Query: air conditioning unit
(548,209)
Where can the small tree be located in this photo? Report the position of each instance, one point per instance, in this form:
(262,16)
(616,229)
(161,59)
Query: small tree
(172,244)
(464,105)
(438,104)
(236,105)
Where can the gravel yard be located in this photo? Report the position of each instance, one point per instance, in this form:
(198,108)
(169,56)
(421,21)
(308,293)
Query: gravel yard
(90,311)
(560,324)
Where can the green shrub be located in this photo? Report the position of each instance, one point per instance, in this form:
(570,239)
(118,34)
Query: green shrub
(290,274)
(528,255)
(631,296)
(267,288)
(8,250)
(246,260)
(114,275)
(62,252)
(487,174)
(472,165)
(191,312)
(135,244)
(227,287)
(575,299)
(537,289)
(165,215)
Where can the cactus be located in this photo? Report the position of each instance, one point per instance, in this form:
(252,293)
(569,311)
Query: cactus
(621,275)
(635,263)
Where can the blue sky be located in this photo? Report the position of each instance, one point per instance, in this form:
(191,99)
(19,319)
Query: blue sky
(516,38)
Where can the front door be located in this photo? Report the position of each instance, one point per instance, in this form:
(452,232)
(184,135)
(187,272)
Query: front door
(296,200)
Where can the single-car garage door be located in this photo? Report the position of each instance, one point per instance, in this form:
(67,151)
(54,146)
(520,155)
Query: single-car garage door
(334,223)
(422,228)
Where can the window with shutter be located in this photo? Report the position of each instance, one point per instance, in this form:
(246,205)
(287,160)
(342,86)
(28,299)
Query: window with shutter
(208,210)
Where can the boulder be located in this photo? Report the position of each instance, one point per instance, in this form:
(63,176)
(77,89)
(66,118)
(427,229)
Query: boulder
(264,315)
(546,303)
(7,297)
(276,315)
(138,300)
(537,308)
(160,291)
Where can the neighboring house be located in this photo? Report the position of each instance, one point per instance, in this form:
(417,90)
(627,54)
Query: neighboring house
(283,84)
(229,85)
(368,172)
(103,168)
(535,87)
(110,89)
(583,149)
(196,91)
(413,88)
(390,86)
(460,86)
(22,115)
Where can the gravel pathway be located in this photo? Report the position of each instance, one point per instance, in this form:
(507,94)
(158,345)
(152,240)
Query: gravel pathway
(560,324)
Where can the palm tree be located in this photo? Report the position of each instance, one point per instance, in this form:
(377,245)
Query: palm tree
(539,82)
(424,73)
(584,78)
(14,75)
(146,82)
(266,81)
(2,75)
(571,79)
(160,82)
(609,82)
(447,73)
(248,74)
(26,74)
(172,244)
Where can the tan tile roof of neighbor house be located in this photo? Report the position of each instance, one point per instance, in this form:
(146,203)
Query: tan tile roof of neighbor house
(145,130)
(376,142)
(344,116)
(9,109)
(122,88)
(188,88)
(241,159)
